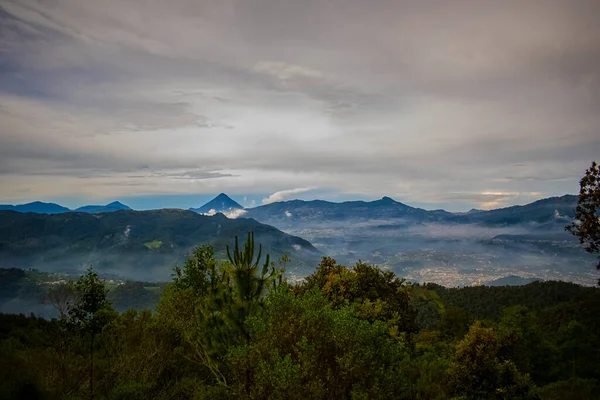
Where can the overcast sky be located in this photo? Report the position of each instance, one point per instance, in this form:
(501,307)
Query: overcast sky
(453,104)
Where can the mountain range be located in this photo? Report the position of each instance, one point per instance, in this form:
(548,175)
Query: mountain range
(422,245)
(299,212)
(40,207)
(439,246)
(36,207)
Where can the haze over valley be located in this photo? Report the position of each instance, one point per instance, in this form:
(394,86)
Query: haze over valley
(452,249)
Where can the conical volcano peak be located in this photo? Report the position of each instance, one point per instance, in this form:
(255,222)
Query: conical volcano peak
(118,205)
(221,203)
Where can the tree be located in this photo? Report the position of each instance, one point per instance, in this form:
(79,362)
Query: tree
(222,298)
(479,371)
(303,348)
(586,225)
(90,312)
(377,294)
(197,270)
(249,286)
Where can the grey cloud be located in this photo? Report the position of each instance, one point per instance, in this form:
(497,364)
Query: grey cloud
(406,98)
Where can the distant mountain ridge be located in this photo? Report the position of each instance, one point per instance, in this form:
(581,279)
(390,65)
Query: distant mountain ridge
(424,245)
(220,204)
(40,207)
(552,209)
(36,207)
(549,210)
(439,246)
(111,207)
(321,210)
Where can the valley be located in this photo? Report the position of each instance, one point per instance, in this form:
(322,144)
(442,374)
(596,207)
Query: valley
(452,249)
(437,246)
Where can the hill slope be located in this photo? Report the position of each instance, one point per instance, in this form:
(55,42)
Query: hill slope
(137,244)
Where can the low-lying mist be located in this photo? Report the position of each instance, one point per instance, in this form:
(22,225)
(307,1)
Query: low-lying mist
(454,254)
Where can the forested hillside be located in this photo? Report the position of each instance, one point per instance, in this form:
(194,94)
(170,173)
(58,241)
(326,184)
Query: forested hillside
(141,245)
(237,329)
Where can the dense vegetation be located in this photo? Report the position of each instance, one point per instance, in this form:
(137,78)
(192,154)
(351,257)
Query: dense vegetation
(237,329)
(586,225)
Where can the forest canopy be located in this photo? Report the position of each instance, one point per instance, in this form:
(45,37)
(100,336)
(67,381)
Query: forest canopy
(238,329)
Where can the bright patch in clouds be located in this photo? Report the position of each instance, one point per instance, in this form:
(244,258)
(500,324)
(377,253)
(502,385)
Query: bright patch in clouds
(284,194)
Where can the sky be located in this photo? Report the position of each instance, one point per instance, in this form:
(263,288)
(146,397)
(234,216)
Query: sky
(440,104)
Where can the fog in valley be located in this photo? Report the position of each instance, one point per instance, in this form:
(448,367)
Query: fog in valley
(454,255)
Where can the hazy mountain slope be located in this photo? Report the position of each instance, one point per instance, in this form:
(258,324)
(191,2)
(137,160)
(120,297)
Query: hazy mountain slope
(437,246)
(96,209)
(36,207)
(550,210)
(40,207)
(298,212)
(139,244)
(222,203)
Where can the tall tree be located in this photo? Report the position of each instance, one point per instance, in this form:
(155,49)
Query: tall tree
(249,283)
(90,312)
(224,297)
(586,225)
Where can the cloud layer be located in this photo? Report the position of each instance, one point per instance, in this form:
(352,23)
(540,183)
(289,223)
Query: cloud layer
(468,103)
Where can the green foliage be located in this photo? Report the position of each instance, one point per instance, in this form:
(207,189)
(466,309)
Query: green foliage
(154,245)
(574,388)
(135,295)
(237,329)
(479,371)
(454,322)
(376,294)
(197,270)
(249,285)
(305,348)
(586,225)
(91,309)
